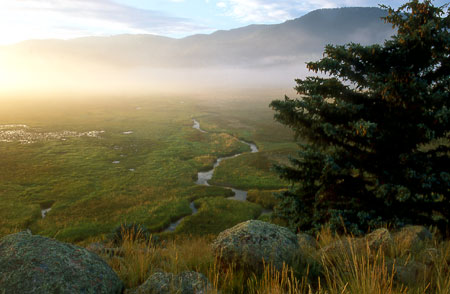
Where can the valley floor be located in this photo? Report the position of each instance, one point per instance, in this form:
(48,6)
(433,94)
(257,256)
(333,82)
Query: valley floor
(92,165)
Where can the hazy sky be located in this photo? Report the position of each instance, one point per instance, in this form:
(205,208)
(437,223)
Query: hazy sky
(38,19)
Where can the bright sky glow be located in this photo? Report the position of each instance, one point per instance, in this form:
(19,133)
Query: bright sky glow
(65,19)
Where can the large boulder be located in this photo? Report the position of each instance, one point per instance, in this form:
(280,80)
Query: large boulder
(346,247)
(35,264)
(379,239)
(252,243)
(306,241)
(341,249)
(410,274)
(410,237)
(166,283)
(429,256)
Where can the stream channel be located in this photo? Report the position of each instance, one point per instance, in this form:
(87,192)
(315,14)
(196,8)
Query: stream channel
(204,177)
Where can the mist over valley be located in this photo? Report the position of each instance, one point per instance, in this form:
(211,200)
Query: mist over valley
(251,57)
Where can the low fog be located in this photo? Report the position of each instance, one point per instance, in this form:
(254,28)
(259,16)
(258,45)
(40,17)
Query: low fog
(254,57)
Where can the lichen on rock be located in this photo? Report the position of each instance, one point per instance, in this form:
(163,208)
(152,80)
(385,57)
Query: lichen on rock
(410,237)
(252,243)
(306,241)
(379,239)
(167,283)
(36,264)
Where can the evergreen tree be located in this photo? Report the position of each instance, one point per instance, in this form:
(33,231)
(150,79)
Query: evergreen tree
(375,131)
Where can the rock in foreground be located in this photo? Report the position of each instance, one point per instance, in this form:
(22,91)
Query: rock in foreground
(167,283)
(306,241)
(410,237)
(35,264)
(249,243)
(379,239)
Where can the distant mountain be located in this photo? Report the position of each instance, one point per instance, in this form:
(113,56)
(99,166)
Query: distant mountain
(289,44)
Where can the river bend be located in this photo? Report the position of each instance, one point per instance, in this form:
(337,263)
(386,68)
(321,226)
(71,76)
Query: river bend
(204,177)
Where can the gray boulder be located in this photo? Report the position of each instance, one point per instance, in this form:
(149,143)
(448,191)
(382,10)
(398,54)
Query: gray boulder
(97,248)
(346,247)
(251,243)
(379,239)
(35,264)
(343,248)
(410,237)
(411,274)
(306,241)
(166,283)
(429,256)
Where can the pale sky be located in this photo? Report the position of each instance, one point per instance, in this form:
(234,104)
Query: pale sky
(65,19)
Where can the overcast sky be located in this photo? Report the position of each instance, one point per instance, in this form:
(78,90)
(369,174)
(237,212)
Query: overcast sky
(63,19)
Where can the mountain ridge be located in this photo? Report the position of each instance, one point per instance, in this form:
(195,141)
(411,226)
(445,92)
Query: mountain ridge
(276,51)
(250,44)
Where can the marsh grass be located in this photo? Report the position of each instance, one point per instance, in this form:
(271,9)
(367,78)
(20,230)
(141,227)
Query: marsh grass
(250,170)
(216,214)
(265,198)
(359,270)
(154,180)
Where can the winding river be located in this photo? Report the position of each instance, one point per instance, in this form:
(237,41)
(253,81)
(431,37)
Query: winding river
(204,177)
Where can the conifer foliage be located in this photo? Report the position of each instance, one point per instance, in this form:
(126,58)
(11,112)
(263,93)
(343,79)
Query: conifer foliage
(374,131)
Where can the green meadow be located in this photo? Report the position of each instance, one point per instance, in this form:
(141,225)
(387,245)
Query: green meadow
(141,168)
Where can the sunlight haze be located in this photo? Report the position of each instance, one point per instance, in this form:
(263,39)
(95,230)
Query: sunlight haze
(137,46)
(111,47)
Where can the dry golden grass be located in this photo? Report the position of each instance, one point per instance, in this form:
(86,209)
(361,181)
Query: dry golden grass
(358,272)
(275,282)
(355,271)
(134,260)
